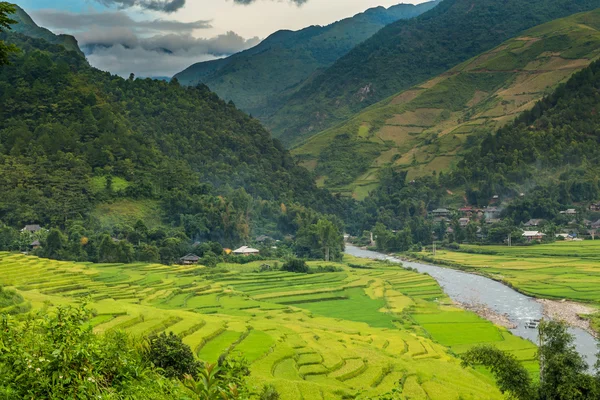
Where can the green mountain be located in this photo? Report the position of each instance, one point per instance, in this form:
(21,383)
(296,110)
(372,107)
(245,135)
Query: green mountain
(28,27)
(409,52)
(94,154)
(260,79)
(424,128)
(549,153)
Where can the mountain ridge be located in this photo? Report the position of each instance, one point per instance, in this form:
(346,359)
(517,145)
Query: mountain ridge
(260,78)
(423,129)
(408,52)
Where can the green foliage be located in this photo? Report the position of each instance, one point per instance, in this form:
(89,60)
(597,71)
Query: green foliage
(174,358)
(81,148)
(269,393)
(563,371)
(5,22)
(409,52)
(511,376)
(295,265)
(57,356)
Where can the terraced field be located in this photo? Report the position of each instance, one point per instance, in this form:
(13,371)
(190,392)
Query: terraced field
(422,129)
(359,332)
(561,270)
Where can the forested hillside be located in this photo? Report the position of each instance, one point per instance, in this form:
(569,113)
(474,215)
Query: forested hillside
(138,161)
(423,130)
(260,79)
(543,163)
(409,52)
(554,148)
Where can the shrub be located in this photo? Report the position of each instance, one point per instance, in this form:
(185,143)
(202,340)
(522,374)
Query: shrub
(172,356)
(296,265)
(269,393)
(57,356)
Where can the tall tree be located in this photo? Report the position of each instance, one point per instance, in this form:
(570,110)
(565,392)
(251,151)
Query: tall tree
(5,23)
(328,235)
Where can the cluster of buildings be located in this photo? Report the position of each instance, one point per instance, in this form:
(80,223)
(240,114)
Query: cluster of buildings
(192,259)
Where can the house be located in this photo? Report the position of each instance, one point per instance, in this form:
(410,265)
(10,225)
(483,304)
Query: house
(246,251)
(595,207)
(595,225)
(468,211)
(464,221)
(531,236)
(31,228)
(441,212)
(35,244)
(570,211)
(533,222)
(190,259)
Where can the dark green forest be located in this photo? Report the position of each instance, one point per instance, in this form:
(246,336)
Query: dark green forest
(408,52)
(73,137)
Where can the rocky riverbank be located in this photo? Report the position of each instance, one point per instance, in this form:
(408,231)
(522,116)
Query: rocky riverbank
(569,312)
(489,314)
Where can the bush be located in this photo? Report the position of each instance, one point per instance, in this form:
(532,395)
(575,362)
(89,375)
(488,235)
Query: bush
(269,393)
(57,356)
(172,356)
(297,266)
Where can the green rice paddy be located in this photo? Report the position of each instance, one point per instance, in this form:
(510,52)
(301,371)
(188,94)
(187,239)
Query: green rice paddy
(561,270)
(357,333)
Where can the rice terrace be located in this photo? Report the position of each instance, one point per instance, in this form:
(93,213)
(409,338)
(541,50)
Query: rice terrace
(354,332)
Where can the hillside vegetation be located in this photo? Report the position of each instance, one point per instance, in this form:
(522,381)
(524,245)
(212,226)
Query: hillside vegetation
(95,155)
(424,129)
(410,52)
(356,333)
(260,79)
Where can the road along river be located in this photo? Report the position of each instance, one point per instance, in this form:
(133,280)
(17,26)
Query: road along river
(476,290)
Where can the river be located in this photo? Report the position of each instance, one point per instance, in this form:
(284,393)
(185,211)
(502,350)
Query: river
(476,289)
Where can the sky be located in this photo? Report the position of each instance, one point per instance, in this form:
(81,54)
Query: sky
(162,37)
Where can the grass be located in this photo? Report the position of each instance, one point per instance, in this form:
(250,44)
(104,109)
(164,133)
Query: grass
(432,120)
(561,270)
(353,333)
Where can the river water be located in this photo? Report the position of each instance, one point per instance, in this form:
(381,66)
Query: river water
(478,290)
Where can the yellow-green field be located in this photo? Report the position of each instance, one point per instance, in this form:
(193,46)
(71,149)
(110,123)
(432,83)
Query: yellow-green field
(561,270)
(358,332)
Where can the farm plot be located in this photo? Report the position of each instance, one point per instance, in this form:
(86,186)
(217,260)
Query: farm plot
(357,332)
(562,270)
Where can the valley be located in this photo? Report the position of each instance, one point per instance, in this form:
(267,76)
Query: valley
(400,205)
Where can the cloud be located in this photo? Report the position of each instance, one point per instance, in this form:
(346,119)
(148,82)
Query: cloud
(168,6)
(73,22)
(113,41)
(248,2)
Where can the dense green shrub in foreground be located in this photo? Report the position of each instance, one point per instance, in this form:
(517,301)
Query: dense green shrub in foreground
(59,357)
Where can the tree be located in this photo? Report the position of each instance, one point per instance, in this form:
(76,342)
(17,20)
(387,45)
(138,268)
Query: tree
(328,235)
(563,371)
(295,265)
(174,357)
(5,23)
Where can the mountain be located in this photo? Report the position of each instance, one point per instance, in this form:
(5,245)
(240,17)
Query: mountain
(258,80)
(93,154)
(409,52)
(550,153)
(26,26)
(422,129)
